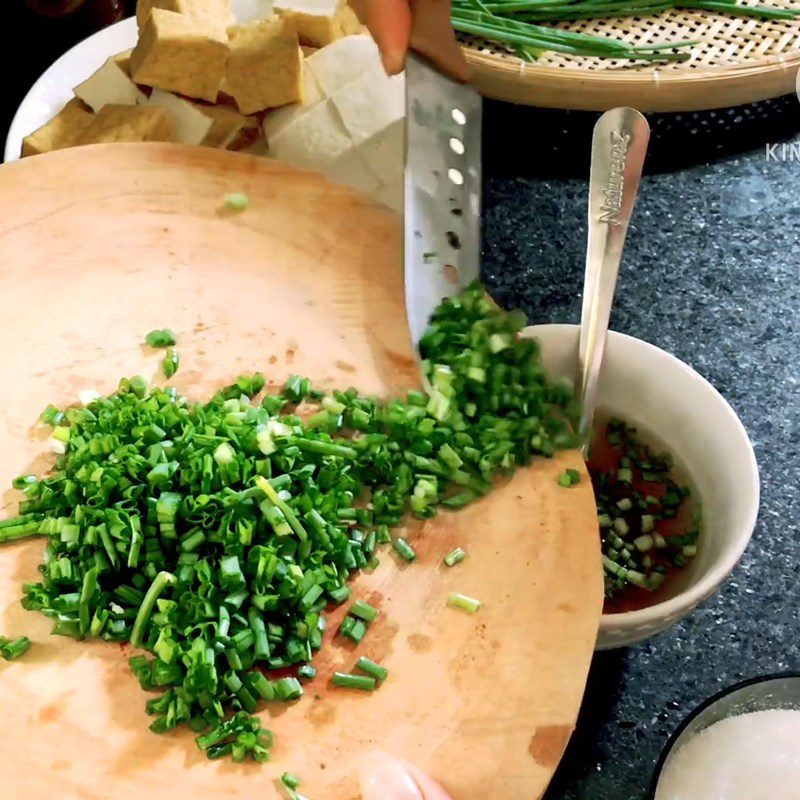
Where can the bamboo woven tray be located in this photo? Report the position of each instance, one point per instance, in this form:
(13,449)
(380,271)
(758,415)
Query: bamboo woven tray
(738,60)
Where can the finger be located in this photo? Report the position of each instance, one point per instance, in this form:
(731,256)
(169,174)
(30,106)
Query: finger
(386,778)
(433,36)
(389,22)
(430,789)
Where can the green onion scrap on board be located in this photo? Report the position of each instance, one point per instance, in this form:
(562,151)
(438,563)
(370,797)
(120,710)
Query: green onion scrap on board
(160,338)
(215,535)
(523,25)
(12,649)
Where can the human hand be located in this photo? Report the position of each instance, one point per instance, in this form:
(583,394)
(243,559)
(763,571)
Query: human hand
(420,25)
(387,778)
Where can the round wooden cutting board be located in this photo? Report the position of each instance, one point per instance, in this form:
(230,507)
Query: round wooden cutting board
(100,245)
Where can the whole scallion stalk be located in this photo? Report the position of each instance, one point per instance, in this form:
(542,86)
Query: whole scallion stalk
(517,23)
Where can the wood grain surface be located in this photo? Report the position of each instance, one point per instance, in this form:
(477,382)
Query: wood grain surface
(98,246)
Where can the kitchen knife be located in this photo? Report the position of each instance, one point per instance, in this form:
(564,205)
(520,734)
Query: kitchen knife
(442,189)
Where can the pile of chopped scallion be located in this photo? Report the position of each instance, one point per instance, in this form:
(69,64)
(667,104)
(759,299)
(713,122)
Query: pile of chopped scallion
(214,536)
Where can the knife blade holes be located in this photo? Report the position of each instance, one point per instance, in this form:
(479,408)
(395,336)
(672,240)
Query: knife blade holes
(450,273)
(453,240)
(457,146)
(455,176)
(459,117)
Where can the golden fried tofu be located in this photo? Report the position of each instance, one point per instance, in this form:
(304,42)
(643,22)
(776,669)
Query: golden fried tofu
(229,129)
(123,60)
(319,22)
(219,10)
(265,68)
(114,123)
(181,53)
(62,131)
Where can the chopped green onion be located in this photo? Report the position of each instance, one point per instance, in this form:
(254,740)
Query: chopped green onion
(12,649)
(361,682)
(363,611)
(355,630)
(288,689)
(170,363)
(306,672)
(404,549)
(455,557)
(463,602)
(290,781)
(237,201)
(163,337)
(162,580)
(372,669)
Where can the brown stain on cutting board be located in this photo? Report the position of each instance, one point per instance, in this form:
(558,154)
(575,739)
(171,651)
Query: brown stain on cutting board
(52,712)
(402,365)
(548,743)
(419,642)
(322,713)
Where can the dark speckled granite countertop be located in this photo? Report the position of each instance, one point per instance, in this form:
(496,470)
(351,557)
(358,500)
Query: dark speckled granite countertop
(710,273)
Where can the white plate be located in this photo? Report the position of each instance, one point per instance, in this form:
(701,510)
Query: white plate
(54,88)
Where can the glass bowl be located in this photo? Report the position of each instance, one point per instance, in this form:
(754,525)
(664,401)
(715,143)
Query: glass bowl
(757,694)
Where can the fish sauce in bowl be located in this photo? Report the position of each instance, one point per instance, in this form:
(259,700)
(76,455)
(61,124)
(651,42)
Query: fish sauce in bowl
(650,521)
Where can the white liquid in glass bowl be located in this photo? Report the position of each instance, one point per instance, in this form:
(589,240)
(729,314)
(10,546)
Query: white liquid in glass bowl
(752,756)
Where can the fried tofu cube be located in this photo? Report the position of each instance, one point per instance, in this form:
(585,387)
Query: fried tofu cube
(110,84)
(115,123)
(62,131)
(229,129)
(265,68)
(319,22)
(182,54)
(124,61)
(219,10)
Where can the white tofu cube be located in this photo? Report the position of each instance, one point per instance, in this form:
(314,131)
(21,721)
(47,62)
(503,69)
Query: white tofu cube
(253,10)
(391,195)
(385,152)
(110,85)
(312,140)
(343,62)
(189,124)
(353,171)
(370,104)
(275,121)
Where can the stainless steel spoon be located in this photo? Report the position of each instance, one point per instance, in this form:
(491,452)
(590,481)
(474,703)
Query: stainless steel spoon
(619,145)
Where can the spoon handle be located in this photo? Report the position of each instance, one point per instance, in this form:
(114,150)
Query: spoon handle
(619,145)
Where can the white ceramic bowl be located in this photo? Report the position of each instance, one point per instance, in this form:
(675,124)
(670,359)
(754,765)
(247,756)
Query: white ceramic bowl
(653,390)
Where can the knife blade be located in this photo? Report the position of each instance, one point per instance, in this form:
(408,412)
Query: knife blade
(442,189)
